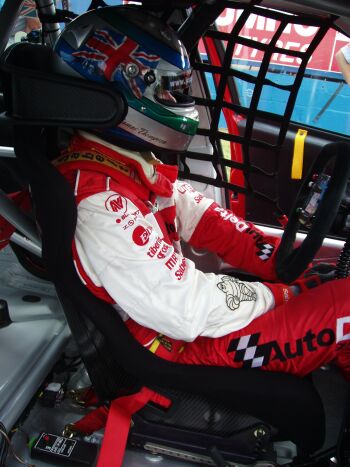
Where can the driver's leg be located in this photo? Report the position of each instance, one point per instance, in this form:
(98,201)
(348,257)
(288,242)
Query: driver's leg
(312,329)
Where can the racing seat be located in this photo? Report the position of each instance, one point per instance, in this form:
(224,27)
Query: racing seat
(216,411)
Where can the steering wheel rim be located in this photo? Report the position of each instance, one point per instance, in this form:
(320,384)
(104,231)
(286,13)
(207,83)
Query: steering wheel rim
(291,262)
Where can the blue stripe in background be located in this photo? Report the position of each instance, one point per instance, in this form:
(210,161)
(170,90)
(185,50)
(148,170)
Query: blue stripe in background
(323,100)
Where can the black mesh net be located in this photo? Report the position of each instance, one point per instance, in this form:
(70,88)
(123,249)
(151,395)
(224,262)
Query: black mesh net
(234,141)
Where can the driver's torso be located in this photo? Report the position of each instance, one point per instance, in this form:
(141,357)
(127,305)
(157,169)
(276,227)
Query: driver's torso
(127,247)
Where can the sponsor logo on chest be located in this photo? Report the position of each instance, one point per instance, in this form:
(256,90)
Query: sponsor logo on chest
(141,235)
(119,206)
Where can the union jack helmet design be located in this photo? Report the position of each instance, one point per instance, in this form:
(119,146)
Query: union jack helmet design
(146,61)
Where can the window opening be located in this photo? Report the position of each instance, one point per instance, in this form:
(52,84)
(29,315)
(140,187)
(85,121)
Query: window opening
(217,62)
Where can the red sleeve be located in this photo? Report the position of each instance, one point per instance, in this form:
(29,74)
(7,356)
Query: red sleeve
(236,241)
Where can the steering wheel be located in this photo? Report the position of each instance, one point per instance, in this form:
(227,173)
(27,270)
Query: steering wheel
(290,261)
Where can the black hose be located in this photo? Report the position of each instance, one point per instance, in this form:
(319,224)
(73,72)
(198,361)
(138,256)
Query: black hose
(343,264)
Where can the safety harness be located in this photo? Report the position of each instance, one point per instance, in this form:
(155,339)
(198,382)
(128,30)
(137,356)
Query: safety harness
(92,168)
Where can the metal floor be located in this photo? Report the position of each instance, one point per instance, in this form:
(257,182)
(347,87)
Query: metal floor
(52,420)
(26,360)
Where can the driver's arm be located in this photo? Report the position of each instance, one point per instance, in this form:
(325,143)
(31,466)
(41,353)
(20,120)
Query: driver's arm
(343,60)
(157,287)
(205,224)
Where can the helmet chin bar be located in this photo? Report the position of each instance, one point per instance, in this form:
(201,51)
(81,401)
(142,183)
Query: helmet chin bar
(146,137)
(180,101)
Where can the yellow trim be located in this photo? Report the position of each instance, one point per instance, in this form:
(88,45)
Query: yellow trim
(155,344)
(298,155)
(92,156)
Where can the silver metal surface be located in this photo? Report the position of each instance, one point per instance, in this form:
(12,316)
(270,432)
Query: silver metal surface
(31,349)
(6,151)
(198,459)
(178,454)
(34,340)
(11,212)
(24,242)
(329,250)
(51,31)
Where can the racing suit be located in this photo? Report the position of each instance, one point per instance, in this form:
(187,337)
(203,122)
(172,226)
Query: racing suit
(131,217)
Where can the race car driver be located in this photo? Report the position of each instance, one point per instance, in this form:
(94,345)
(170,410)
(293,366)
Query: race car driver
(133,212)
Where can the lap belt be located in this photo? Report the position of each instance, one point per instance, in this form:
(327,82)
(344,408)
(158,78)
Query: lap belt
(118,425)
(116,419)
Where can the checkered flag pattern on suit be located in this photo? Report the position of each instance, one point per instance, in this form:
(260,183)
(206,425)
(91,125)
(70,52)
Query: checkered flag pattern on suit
(246,350)
(265,251)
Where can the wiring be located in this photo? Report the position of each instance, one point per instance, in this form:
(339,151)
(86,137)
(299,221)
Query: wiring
(8,444)
(343,264)
(3,448)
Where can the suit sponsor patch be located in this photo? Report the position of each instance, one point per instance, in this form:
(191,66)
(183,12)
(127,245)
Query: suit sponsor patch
(248,351)
(185,188)
(141,235)
(159,249)
(95,157)
(175,263)
(343,329)
(117,204)
(265,250)
(236,291)
(240,225)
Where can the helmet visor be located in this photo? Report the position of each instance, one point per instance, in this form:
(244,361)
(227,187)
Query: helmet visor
(173,89)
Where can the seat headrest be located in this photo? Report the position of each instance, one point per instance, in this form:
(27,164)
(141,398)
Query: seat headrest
(37,93)
(29,56)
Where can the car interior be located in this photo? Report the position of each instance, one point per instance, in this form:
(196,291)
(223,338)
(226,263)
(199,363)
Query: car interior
(64,351)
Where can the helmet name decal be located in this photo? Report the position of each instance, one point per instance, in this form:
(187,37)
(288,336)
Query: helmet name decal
(142,132)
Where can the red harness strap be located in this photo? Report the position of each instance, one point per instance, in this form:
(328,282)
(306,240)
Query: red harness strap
(118,425)
(93,421)
(116,419)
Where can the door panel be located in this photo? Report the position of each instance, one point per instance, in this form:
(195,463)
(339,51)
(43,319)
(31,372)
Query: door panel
(261,211)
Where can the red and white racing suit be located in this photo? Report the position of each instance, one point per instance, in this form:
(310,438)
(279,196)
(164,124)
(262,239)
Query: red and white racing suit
(131,217)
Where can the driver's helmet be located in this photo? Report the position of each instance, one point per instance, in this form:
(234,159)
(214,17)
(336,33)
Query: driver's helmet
(145,60)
